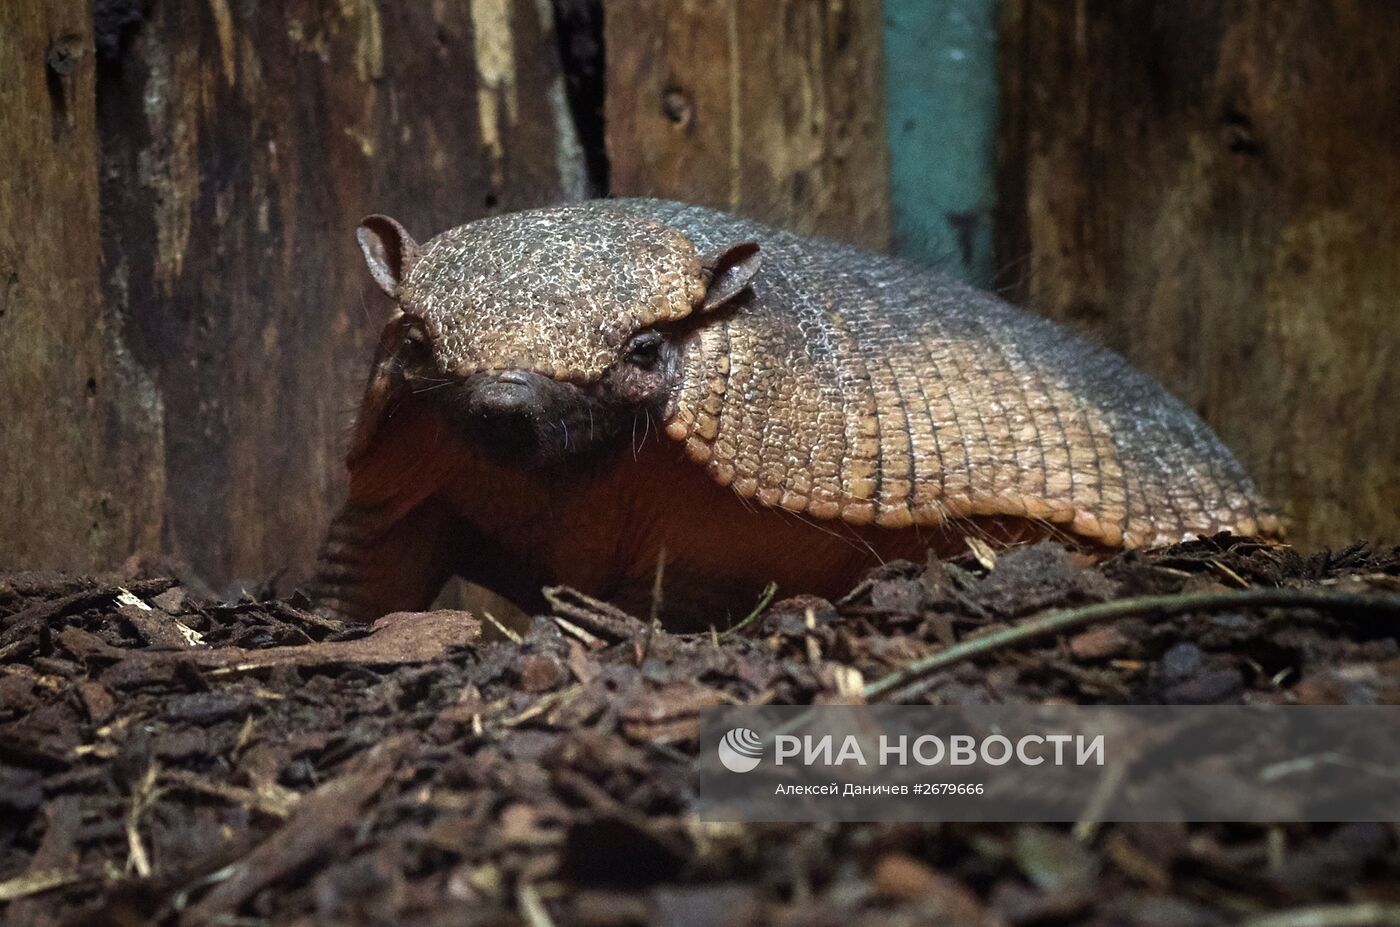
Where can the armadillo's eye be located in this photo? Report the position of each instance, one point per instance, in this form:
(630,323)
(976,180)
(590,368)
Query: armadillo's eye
(644,350)
(413,342)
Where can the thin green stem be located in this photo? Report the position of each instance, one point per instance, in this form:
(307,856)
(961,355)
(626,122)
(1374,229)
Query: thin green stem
(768,592)
(1062,620)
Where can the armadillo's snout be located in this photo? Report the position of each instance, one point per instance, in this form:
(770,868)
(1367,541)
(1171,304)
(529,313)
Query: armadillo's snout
(497,401)
(516,418)
(503,414)
(525,420)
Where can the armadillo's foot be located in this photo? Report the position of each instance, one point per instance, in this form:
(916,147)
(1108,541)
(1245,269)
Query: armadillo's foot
(371,565)
(338,589)
(330,603)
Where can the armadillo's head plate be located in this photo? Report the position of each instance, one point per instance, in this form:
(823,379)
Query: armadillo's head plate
(554,291)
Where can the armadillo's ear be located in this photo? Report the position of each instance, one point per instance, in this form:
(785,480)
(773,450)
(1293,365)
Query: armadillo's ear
(728,274)
(389,251)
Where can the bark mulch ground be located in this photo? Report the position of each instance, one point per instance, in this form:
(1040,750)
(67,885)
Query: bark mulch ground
(169,759)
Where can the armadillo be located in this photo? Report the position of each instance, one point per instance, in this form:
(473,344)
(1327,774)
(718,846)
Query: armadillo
(575,394)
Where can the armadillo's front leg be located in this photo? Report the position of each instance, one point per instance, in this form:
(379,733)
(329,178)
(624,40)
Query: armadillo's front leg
(388,549)
(371,565)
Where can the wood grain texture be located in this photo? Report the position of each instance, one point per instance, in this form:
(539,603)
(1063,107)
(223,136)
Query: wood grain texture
(79,426)
(768,109)
(1213,188)
(242,141)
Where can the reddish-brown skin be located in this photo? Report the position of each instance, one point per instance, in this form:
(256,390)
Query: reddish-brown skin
(602,531)
(568,394)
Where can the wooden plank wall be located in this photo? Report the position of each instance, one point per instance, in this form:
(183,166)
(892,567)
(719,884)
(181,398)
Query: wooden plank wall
(80,433)
(219,307)
(184,319)
(1213,188)
(242,142)
(771,109)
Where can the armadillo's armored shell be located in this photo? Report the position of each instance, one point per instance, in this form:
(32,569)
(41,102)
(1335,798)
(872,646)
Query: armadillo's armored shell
(854,386)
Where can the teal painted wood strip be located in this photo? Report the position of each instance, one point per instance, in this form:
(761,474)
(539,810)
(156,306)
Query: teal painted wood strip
(941,113)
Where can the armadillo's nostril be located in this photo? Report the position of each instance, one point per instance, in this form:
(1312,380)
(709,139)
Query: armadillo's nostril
(511,415)
(510,394)
(503,399)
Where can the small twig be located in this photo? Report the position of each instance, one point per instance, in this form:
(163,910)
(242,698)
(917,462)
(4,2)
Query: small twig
(34,883)
(1365,914)
(655,624)
(814,649)
(599,617)
(861,588)
(591,641)
(544,704)
(1107,788)
(506,632)
(1059,621)
(1233,576)
(141,799)
(527,897)
(276,805)
(656,588)
(768,592)
(984,552)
